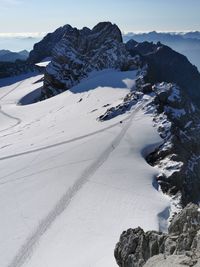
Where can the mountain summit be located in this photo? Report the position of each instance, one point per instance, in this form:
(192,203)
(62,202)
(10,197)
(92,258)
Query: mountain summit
(82,51)
(75,53)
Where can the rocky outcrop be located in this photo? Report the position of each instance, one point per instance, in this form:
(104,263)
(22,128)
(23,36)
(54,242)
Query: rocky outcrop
(180,246)
(178,158)
(165,64)
(178,122)
(83,51)
(172,261)
(135,96)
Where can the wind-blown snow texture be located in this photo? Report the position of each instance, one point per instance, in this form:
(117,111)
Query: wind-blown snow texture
(70,184)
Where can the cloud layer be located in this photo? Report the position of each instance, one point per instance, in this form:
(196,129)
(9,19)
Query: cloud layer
(21,34)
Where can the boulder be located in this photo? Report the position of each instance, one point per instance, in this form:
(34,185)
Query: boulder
(181,246)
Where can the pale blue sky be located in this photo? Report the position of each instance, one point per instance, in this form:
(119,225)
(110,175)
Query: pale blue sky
(129,15)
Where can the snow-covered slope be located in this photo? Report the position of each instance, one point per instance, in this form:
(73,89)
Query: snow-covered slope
(70,184)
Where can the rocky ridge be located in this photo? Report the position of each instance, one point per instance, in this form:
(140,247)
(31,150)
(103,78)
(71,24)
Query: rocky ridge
(178,158)
(167,65)
(179,247)
(177,120)
(75,53)
(44,48)
(83,51)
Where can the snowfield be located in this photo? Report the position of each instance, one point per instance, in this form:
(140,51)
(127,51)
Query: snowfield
(69,184)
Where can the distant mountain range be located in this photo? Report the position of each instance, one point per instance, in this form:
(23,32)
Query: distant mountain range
(18,43)
(187,44)
(195,35)
(9,56)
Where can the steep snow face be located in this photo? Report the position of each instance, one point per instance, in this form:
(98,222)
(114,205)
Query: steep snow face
(70,184)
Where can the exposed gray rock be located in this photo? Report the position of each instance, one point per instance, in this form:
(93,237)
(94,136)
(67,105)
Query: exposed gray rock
(178,158)
(44,48)
(75,53)
(171,261)
(167,65)
(136,247)
(81,51)
(178,123)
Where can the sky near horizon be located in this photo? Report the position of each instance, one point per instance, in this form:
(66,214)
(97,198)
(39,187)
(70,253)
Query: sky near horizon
(36,16)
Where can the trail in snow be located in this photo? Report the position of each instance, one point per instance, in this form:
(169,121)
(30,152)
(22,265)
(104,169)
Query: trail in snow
(18,121)
(63,142)
(18,85)
(27,249)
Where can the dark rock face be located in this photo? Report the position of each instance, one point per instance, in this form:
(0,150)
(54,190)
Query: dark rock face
(135,246)
(44,48)
(82,51)
(143,49)
(178,158)
(164,64)
(9,69)
(187,44)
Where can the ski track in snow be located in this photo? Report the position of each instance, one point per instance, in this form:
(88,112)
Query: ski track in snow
(26,250)
(10,117)
(63,142)
(49,146)
(18,121)
(18,85)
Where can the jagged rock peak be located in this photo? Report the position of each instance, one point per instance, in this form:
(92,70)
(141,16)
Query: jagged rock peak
(180,246)
(81,51)
(44,48)
(108,30)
